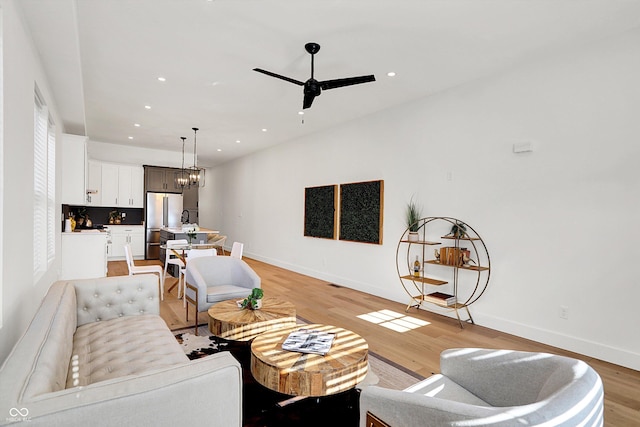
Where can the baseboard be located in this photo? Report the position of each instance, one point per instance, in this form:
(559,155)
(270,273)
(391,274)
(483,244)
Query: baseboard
(566,342)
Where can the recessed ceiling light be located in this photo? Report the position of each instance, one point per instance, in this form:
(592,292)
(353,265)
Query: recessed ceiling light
(391,74)
(264,129)
(162,79)
(301,112)
(137,125)
(148,107)
(219,149)
(237,141)
(130,137)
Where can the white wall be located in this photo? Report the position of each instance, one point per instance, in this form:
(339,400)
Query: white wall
(560,223)
(21,295)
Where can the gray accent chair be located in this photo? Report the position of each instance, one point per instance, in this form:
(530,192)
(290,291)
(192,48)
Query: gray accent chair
(497,388)
(212,279)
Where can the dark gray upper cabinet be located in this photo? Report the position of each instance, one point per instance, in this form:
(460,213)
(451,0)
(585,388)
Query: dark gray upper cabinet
(161,180)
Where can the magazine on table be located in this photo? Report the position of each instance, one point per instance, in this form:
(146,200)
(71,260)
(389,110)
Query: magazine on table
(309,341)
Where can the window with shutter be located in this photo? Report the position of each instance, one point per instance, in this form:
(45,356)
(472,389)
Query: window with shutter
(43,188)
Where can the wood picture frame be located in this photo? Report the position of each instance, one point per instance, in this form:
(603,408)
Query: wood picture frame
(361,211)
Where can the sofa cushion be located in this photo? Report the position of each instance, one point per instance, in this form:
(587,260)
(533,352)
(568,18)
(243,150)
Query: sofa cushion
(126,345)
(444,388)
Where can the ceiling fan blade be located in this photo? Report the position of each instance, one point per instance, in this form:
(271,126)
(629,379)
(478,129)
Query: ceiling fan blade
(308,100)
(332,84)
(278,76)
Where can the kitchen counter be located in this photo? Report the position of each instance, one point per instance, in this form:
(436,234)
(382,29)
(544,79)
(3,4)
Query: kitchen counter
(178,230)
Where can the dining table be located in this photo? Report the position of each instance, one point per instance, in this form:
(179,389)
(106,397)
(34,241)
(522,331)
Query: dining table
(180,251)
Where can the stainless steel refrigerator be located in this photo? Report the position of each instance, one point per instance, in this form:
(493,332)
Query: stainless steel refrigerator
(163,210)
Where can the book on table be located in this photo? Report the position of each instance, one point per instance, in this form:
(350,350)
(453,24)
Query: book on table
(309,341)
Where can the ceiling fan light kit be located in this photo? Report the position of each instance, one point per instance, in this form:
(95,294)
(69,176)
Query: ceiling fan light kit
(312,87)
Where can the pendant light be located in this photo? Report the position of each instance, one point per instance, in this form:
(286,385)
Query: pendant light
(195,174)
(182,177)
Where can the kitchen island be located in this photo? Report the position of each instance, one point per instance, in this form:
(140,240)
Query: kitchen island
(177,233)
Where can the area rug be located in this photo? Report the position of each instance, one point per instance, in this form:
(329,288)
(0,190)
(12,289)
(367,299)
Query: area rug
(389,374)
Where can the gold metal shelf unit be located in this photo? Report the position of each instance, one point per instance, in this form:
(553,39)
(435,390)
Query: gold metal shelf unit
(453,282)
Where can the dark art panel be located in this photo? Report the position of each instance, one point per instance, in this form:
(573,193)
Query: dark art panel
(320,211)
(361,206)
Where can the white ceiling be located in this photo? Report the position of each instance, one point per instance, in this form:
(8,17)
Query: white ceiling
(103,59)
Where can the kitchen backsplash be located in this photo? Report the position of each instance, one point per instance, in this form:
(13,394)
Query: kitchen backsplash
(100,215)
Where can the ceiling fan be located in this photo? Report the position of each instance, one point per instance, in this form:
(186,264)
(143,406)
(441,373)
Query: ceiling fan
(313,87)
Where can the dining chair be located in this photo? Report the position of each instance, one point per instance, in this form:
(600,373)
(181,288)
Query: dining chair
(172,259)
(191,254)
(217,241)
(236,250)
(144,269)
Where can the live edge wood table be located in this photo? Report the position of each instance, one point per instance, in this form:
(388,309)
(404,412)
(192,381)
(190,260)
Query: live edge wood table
(228,321)
(305,374)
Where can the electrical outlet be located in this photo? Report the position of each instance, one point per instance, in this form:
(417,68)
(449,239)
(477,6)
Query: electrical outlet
(564,312)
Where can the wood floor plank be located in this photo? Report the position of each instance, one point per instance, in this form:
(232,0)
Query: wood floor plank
(419,349)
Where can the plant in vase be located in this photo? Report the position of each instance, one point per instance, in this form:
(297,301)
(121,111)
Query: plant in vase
(191,235)
(254,300)
(413,213)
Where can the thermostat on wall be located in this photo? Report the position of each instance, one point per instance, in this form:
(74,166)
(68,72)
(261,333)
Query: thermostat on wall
(523,147)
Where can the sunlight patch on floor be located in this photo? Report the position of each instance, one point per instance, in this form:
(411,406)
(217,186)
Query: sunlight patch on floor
(392,320)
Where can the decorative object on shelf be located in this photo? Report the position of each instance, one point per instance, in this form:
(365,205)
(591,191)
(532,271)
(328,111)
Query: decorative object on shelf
(416,267)
(413,214)
(195,173)
(254,300)
(182,177)
(455,277)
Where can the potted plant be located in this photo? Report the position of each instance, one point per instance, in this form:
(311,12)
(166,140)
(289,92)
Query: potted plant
(115,217)
(254,300)
(413,214)
(458,230)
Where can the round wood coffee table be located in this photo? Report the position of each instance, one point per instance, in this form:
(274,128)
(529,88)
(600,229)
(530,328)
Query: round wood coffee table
(305,374)
(228,321)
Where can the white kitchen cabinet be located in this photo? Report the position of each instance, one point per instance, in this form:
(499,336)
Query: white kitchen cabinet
(126,234)
(73,169)
(94,183)
(84,255)
(131,186)
(110,188)
(122,186)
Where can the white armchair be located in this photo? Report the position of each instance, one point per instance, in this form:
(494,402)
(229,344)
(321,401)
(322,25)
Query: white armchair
(496,388)
(216,278)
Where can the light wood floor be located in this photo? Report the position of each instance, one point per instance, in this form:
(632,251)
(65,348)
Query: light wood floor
(419,349)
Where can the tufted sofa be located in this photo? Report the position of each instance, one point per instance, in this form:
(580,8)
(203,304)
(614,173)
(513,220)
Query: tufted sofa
(98,353)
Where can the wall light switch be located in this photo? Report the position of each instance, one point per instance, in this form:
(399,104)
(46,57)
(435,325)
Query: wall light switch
(523,147)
